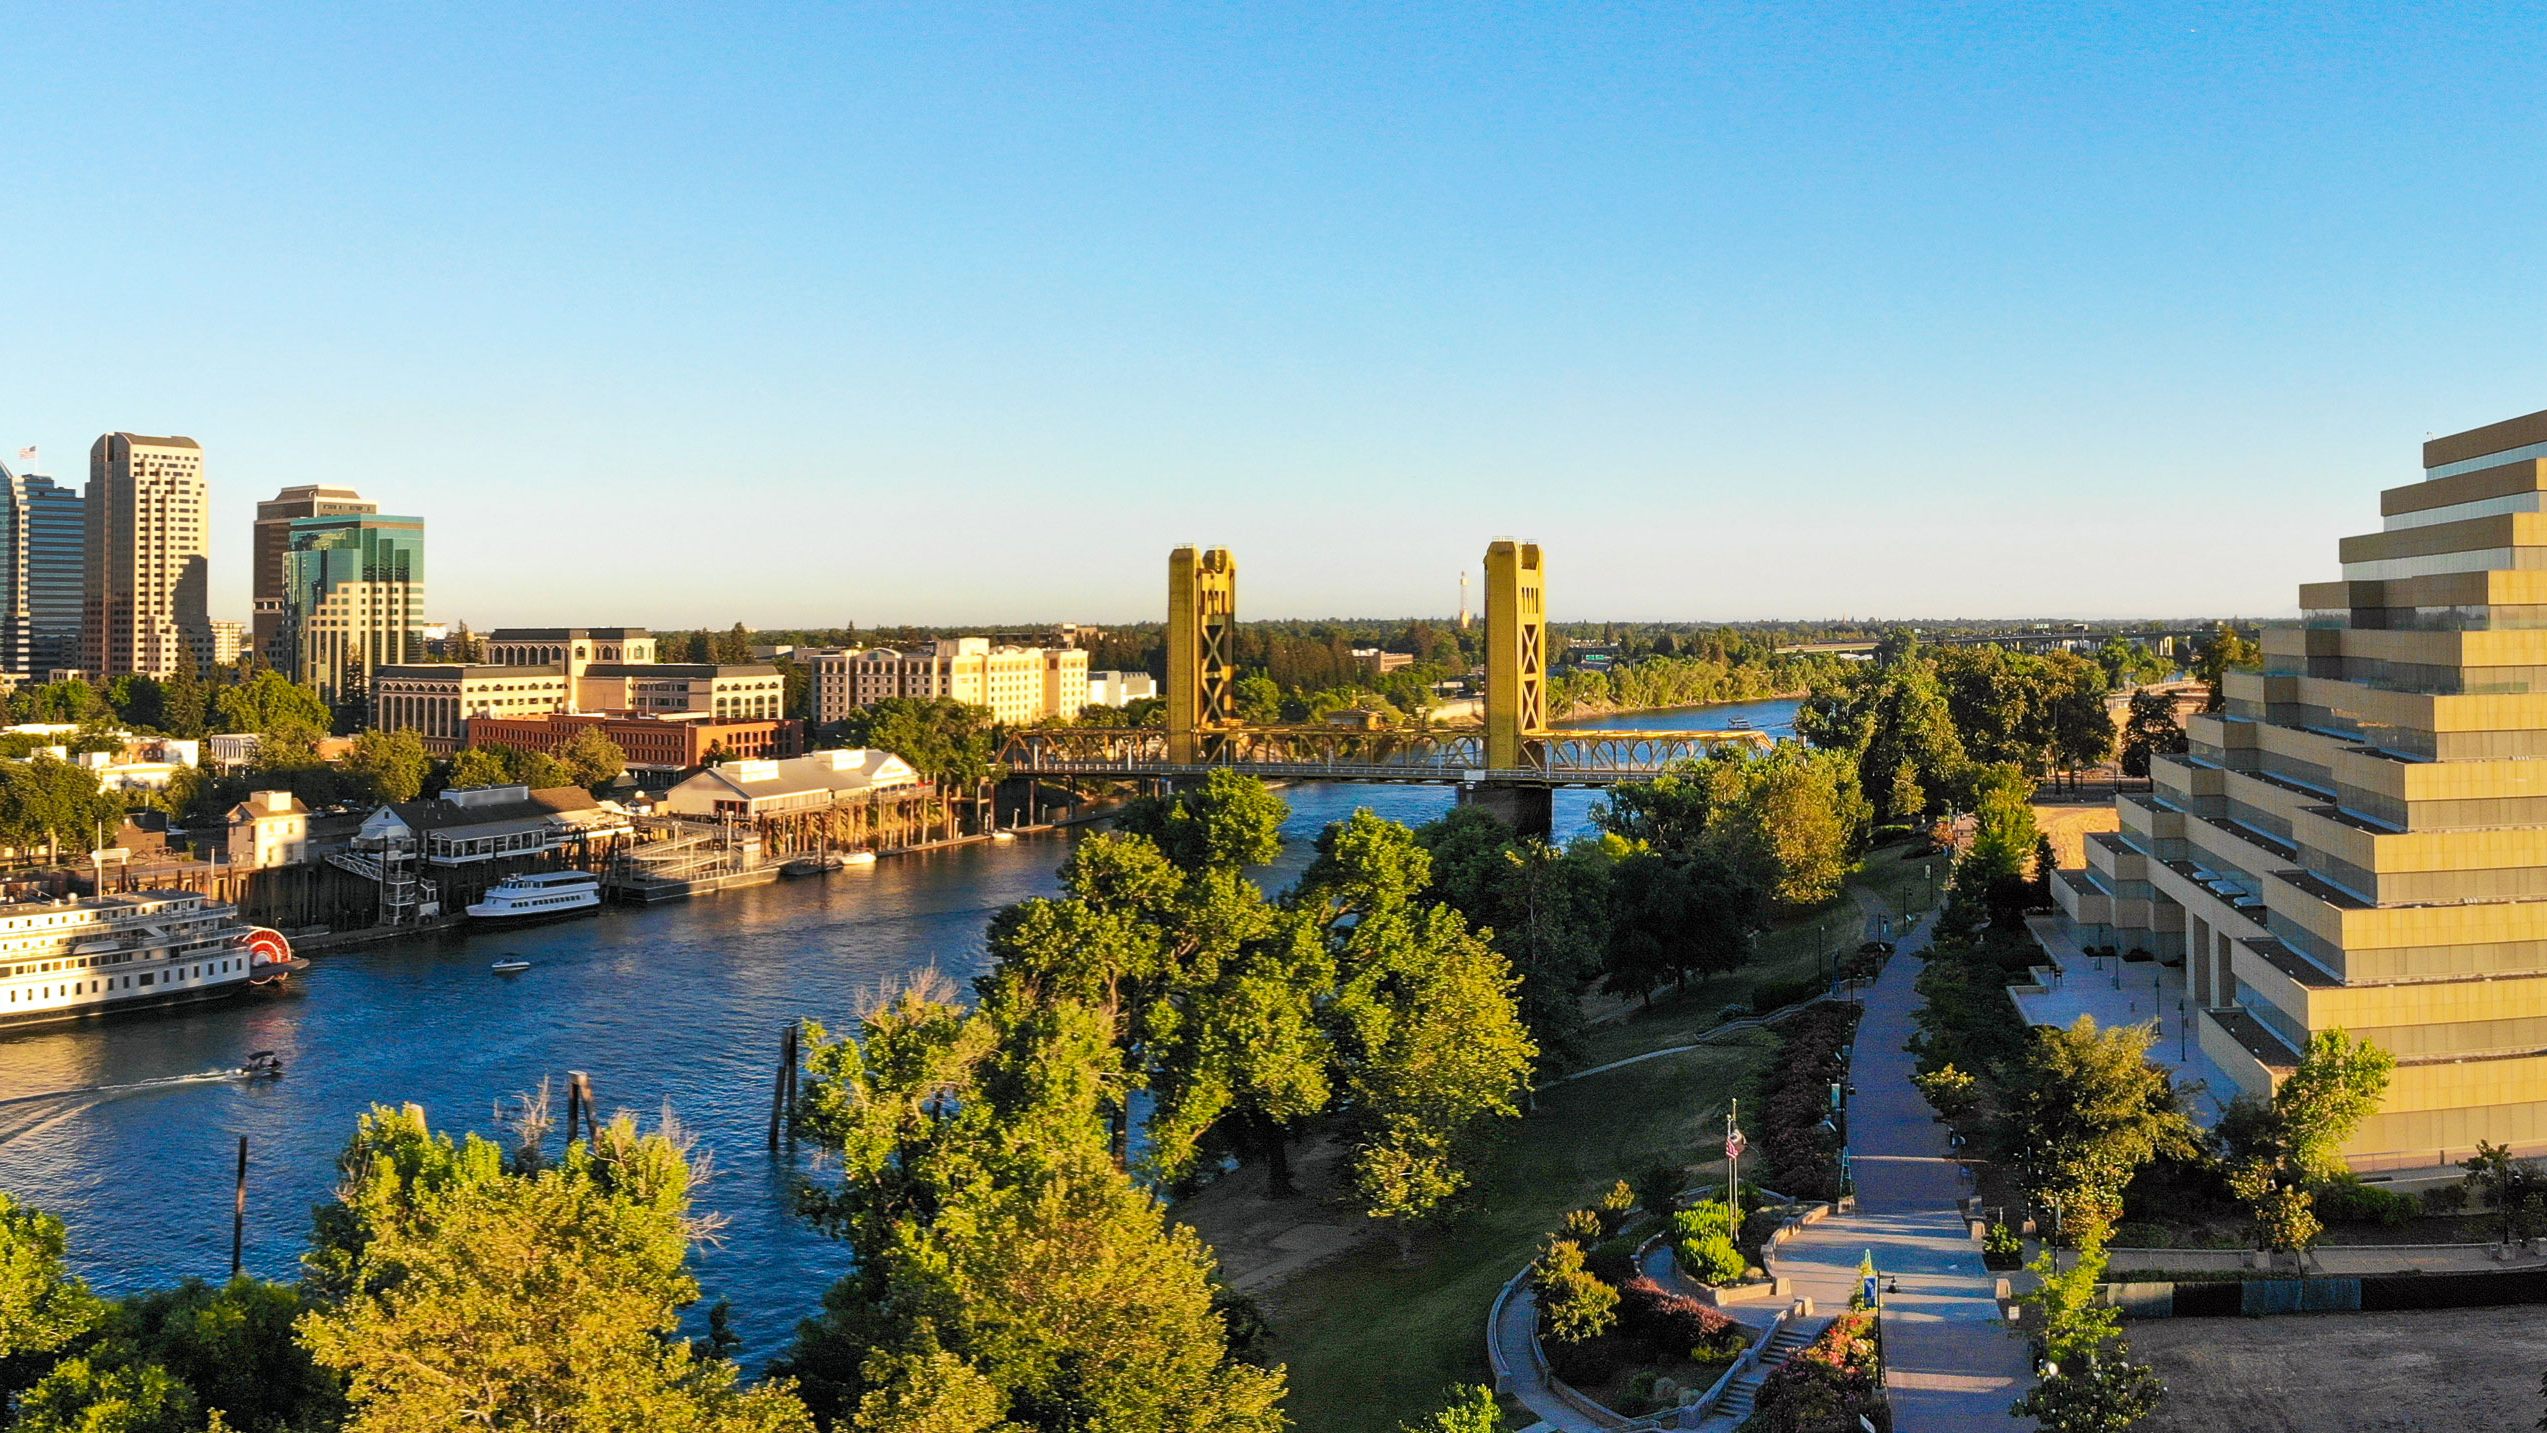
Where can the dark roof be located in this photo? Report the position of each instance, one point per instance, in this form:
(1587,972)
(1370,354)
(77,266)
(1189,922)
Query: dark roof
(439,815)
(566,634)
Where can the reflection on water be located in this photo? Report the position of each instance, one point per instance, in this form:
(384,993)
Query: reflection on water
(677,1006)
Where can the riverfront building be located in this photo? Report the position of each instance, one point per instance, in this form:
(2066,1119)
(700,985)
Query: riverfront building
(438,700)
(817,781)
(148,553)
(651,744)
(353,601)
(2359,838)
(1018,684)
(268,582)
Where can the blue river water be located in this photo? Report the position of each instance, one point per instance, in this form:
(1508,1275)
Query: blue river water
(675,1007)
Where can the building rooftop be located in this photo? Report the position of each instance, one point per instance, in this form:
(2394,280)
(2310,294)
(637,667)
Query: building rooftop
(566,634)
(680,669)
(468,669)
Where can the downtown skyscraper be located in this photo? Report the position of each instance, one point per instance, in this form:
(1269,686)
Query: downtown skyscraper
(148,554)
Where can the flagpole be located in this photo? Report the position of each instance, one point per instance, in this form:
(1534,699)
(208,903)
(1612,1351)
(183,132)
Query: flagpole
(1733,1167)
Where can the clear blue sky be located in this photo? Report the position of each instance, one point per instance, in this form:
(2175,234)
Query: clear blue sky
(962,313)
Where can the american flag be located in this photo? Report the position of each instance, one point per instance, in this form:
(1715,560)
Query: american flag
(1734,1145)
(26,455)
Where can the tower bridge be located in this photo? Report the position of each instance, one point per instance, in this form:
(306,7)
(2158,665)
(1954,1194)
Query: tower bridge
(1512,763)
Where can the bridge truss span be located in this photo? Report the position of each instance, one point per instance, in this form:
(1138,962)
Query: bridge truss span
(1589,757)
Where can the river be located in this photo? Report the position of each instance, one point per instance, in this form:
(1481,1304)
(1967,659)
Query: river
(677,1006)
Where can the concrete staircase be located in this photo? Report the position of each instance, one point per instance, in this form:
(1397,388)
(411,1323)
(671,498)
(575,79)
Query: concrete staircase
(1736,1405)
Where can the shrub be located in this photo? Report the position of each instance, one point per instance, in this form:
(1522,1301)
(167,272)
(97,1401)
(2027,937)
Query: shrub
(1574,1305)
(2001,1248)
(2446,1199)
(1702,1239)
(1662,1325)
(1799,1151)
(1583,1224)
(2349,1201)
(1613,1260)
(1658,1189)
(1615,1208)
(1771,994)
(1949,1091)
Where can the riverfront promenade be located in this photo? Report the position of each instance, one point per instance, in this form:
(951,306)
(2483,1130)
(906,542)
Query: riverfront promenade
(1951,1362)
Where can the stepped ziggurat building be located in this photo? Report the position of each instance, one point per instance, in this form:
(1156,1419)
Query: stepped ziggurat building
(2358,839)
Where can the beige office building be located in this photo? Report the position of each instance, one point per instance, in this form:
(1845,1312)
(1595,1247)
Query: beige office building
(1020,685)
(437,700)
(2359,839)
(268,580)
(147,554)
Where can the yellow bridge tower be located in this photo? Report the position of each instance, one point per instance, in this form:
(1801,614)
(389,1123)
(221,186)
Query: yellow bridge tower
(1516,651)
(1202,675)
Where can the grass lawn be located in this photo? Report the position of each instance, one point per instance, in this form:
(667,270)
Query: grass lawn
(1373,1340)
(1795,949)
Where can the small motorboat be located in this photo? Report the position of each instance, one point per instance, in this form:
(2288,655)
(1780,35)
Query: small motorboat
(1003,835)
(262,1065)
(859,858)
(818,865)
(1739,724)
(510,965)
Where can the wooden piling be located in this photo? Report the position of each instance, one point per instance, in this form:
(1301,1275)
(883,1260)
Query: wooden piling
(782,1088)
(579,1101)
(239,1215)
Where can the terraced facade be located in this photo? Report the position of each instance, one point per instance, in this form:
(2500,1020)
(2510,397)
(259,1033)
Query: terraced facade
(2359,838)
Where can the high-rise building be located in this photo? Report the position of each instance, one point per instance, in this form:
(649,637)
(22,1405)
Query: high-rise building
(353,601)
(148,553)
(274,519)
(41,525)
(2358,838)
(229,641)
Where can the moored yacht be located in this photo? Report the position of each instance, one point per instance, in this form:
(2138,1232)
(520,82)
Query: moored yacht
(541,895)
(94,956)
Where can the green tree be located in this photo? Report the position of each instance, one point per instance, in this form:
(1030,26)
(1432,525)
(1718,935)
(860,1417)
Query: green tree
(945,740)
(1429,1041)
(269,702)
(2150,729)
(2282,1215)
(2082,733)
(43,1305)
(2337,1084)
(496,764)
(79,1395)
(1259,700)
(591,760)
(173,1357)
(2222,650)
(1229,822)
(1545,908)
(1894,721)
(461,1287)
(390,765)
(2087,1110)
(989,1225)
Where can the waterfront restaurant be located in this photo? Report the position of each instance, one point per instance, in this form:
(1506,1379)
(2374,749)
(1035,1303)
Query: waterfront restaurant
(495,823)
(816,781)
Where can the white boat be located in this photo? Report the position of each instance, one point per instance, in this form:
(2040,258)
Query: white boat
(542,895)
(1003,835)
(510,965)
(857,858)
(80,959)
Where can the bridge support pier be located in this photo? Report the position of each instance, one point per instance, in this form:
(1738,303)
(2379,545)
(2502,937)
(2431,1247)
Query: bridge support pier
(1528,810)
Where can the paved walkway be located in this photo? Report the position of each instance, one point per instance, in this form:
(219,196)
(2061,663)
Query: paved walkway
(1512,1333)
(1952,1363)
(2125,992)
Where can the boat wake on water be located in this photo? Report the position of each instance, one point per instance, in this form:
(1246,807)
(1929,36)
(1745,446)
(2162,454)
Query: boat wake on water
(259,1066)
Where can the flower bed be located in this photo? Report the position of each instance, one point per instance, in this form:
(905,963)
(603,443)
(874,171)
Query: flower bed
(1828,1385)
(1799,1155)
(1662,1343)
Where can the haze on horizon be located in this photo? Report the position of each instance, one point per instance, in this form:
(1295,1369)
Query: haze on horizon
(945,316)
